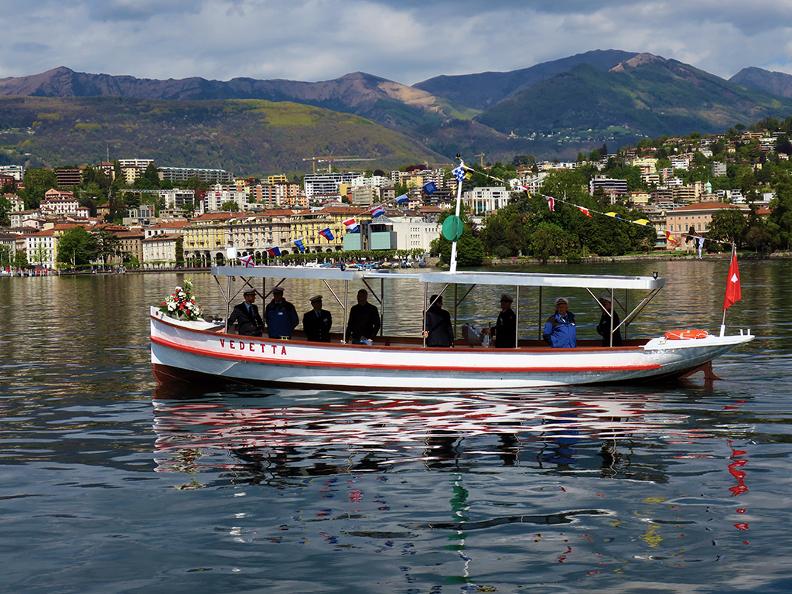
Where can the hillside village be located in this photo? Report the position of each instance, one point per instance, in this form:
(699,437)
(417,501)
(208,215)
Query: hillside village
(134,213)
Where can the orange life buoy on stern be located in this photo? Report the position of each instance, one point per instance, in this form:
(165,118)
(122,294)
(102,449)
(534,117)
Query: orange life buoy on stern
(686,334)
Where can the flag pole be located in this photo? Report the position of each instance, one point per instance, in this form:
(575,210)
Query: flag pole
(453,262)
(723,321)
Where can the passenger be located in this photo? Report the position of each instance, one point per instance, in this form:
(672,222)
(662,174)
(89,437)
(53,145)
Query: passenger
(364,320)
(506,327)
(604,326)
(559,330)
(438,330)
(281,316)
(317,322)
(246,316)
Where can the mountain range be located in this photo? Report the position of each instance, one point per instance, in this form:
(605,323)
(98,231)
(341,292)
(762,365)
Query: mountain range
(551,109)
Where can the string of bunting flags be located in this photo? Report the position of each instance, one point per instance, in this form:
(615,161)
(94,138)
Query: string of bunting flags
(588,212)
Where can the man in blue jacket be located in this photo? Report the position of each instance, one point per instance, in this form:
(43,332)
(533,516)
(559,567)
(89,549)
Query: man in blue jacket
(559,329)
(281,316)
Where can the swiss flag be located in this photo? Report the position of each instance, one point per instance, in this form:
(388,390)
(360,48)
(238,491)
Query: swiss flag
(733,290)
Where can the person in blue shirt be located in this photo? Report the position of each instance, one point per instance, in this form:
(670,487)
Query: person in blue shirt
(559,329)
(281,316)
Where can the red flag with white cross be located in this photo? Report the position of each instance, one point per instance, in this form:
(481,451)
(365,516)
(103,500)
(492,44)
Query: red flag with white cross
(733,289)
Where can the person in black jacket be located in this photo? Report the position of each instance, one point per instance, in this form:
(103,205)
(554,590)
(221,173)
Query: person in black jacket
(604,326)
(506,326)
(364,319)
(246,316)
(438,330)
(317,322)
(281,316)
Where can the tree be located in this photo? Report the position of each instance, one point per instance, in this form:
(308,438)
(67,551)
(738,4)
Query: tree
(229,205)
(20,259)
(37,182)
(470,249)
(550,240)
(77,247)
(5,209)
(106,245)
(728,225)
(149,180)
(6,258)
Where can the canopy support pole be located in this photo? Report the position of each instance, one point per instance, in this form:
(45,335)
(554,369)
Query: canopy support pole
(423,320)
(517,319)
(346,303)
(453,262)
(540,325)
(456,305)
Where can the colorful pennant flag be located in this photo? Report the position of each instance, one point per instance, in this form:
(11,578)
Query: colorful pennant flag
(641,222)
(352,226)
(247,261)
(459,173)
(733,289)
(404,199)
(551,203)
(611,214)
(274,251)
(585,211)
(429,187)
(327,234)
(377,211)
(300,245)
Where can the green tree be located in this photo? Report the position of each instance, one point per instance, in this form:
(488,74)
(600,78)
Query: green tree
(229,205)
(20,259)
(106,245)
(149,180)
(548,240)
(5,209)
(728,225)
(470,249)
(37,182)
(759,238)
(780,221)
(6,258)
(77,247)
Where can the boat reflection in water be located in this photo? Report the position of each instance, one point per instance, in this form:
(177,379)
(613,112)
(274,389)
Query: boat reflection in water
(322,433)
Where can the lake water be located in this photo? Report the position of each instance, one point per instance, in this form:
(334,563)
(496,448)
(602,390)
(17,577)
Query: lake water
(109,485)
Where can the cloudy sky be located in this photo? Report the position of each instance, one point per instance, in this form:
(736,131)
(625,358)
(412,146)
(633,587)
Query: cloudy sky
(404,40)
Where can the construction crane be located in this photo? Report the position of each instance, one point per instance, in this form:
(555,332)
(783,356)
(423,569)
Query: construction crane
(481,159)
(330,159)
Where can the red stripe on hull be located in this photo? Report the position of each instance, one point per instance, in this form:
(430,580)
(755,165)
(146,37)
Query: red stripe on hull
(333,365)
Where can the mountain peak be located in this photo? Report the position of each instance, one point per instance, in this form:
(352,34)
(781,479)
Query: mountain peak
(637,61)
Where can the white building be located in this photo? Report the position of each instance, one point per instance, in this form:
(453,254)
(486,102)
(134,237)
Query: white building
(133,168)
(485,199)
(414,232)
(160,251)
(533,183)
(718,168)
(15,171)
(42,248)
(177,198)
(327,184)
(182,174)
(219,195)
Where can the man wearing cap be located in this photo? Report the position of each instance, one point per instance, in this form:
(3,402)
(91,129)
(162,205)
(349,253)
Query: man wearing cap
(559,329)
(281,316)
(604,326)
(246,316)
(317,322)
(506,327)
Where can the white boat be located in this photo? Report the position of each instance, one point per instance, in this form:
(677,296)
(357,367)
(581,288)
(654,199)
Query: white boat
(202,350)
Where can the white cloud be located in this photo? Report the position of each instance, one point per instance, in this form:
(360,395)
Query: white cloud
(405,40)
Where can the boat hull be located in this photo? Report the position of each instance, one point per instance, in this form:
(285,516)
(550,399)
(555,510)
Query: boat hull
(181,349)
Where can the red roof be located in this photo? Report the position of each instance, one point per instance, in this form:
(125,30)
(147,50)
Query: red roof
(705,206)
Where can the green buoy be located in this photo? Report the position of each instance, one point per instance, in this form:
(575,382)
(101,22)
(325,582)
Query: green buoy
(453,228)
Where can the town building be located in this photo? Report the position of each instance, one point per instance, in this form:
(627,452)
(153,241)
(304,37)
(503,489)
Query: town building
(68,176)
(219,195)
(483,200)
(182,174)
(15,171)
(162,251)
(718,168)
(206,238)
(609,186)
(697,216)
(130,247)
(41,248)
(414,232)
(318,185)
(178,199)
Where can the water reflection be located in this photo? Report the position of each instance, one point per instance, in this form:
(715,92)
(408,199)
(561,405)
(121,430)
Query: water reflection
(346,433)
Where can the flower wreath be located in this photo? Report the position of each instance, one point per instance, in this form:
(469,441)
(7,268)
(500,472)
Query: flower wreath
(181,304)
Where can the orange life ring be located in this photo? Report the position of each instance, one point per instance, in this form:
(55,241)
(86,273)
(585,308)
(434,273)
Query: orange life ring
(686,334)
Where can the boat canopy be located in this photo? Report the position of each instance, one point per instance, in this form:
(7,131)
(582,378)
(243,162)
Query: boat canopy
(514,279)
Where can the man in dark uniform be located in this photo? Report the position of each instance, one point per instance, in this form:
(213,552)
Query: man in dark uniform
(506,326)
(317,322)
(246,316)
(281,316)
(438,329)
(604,326)
(364,319)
